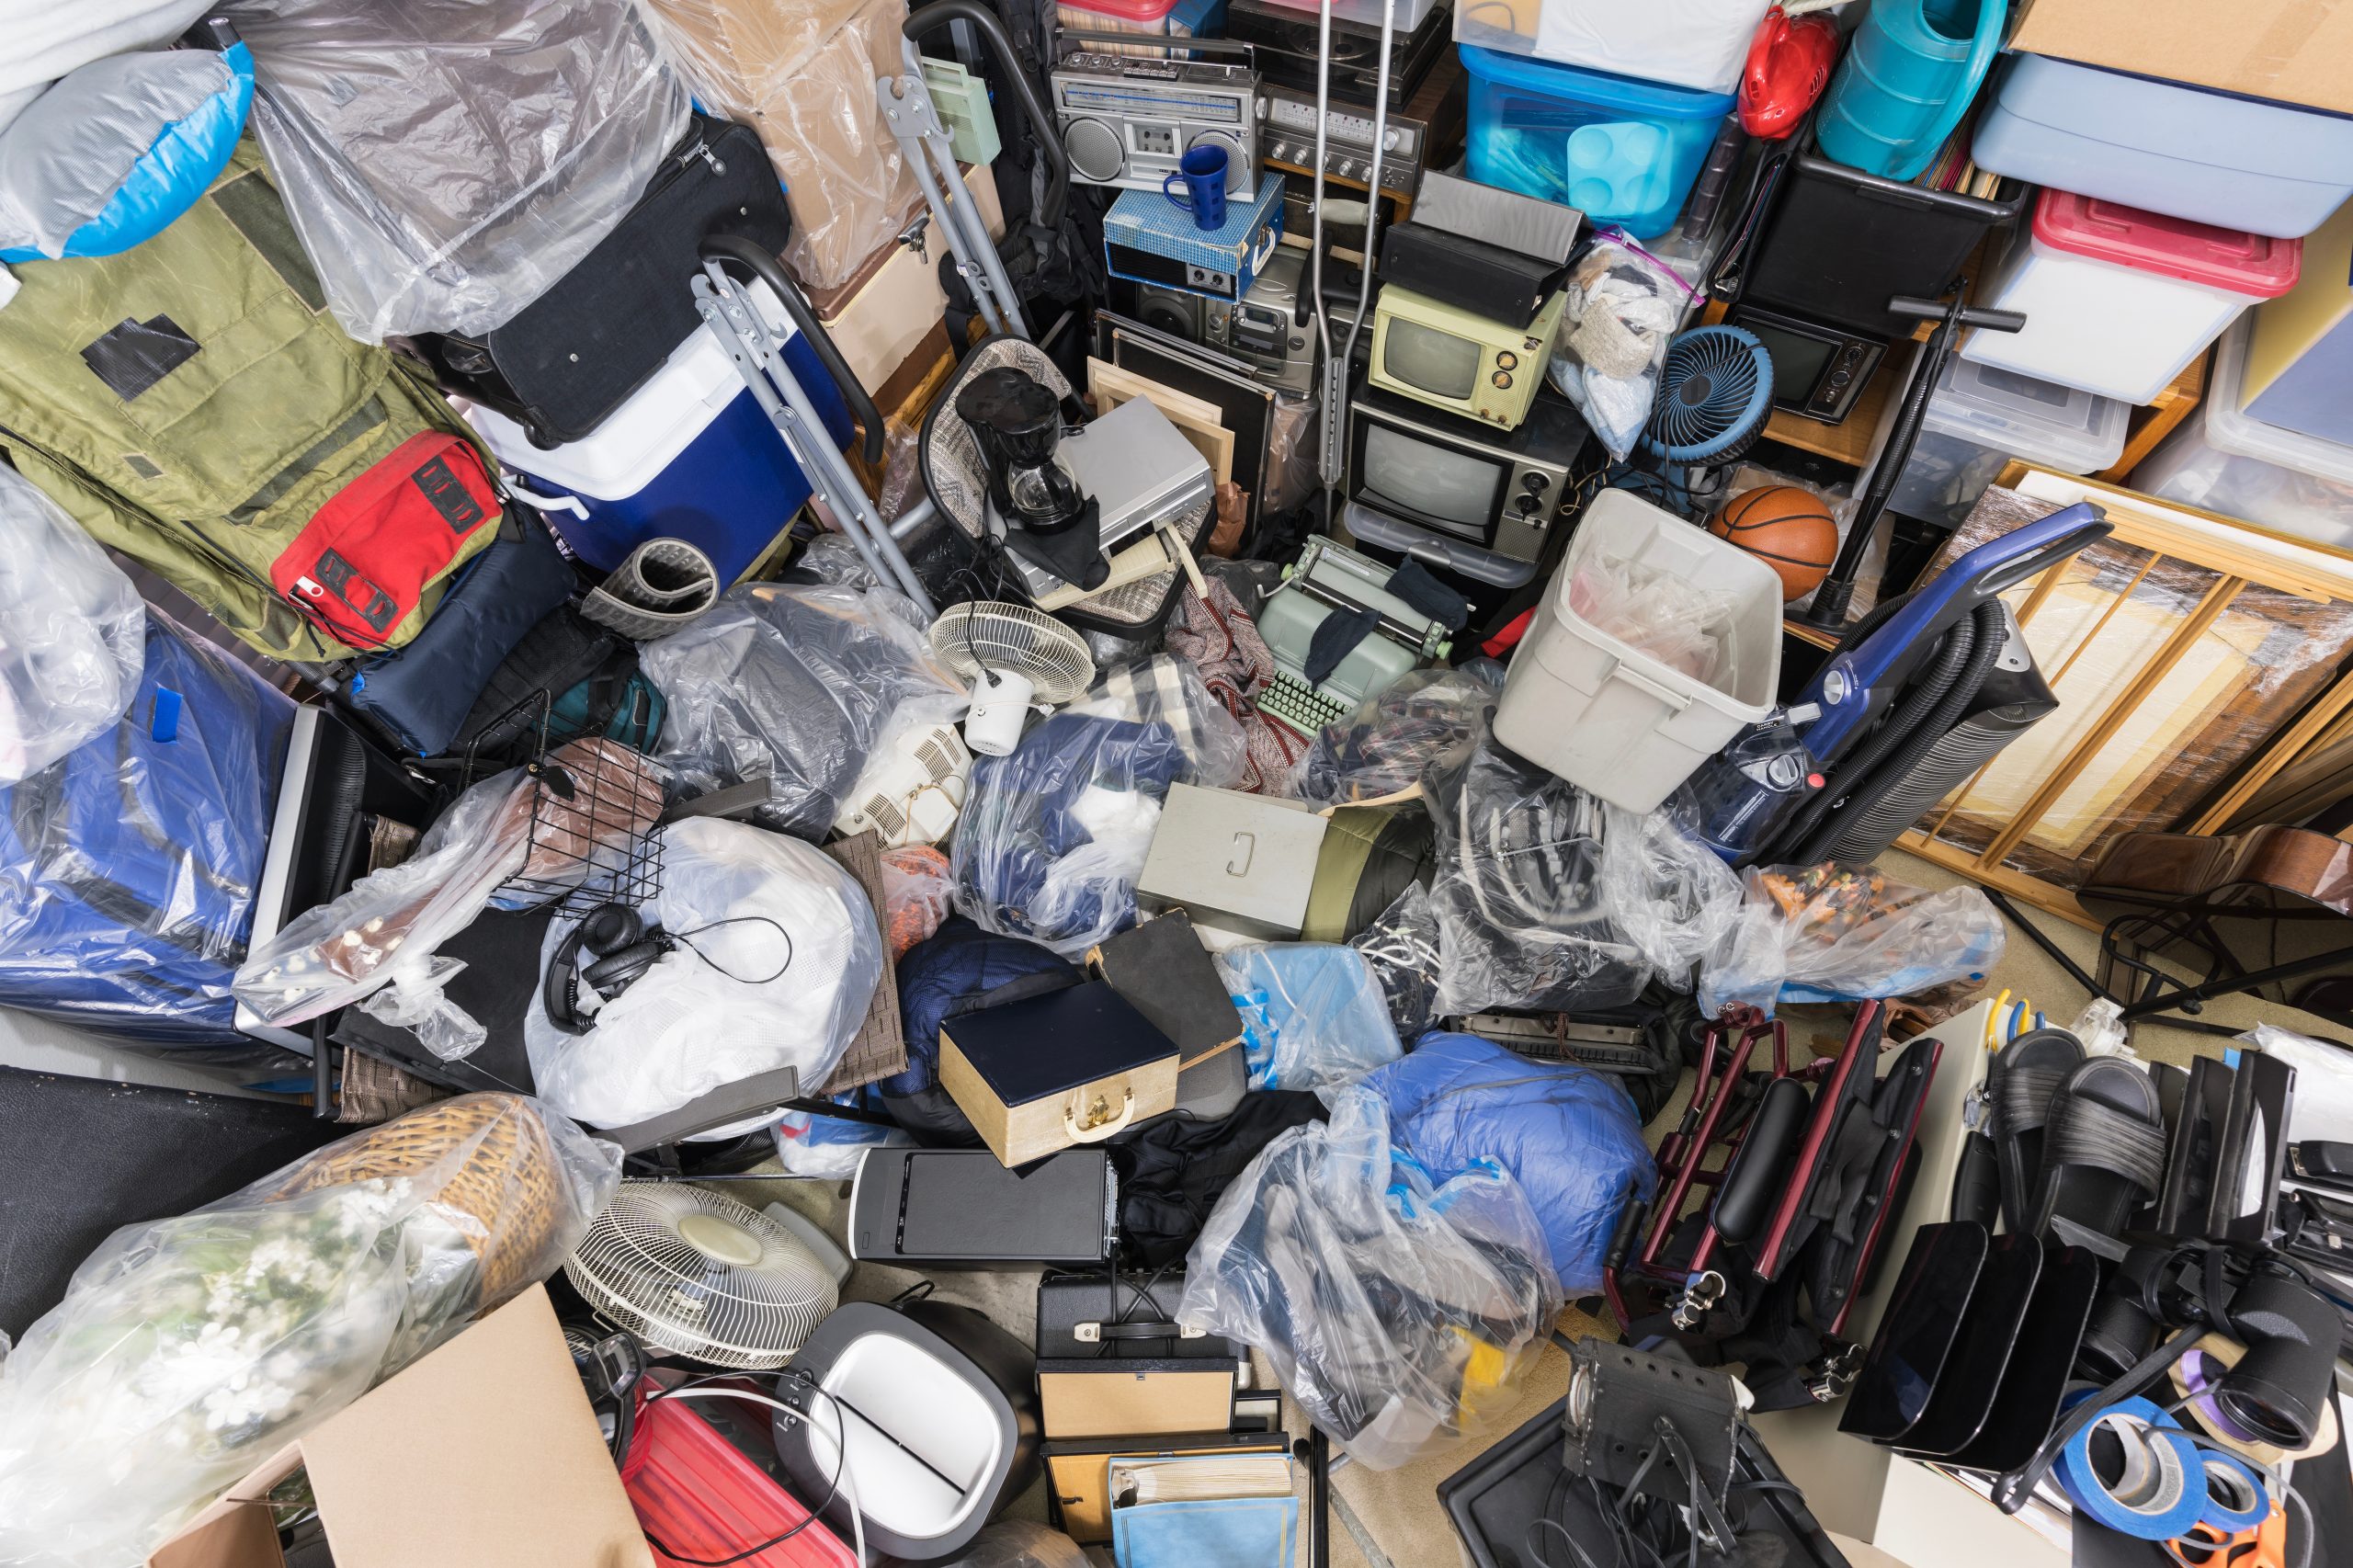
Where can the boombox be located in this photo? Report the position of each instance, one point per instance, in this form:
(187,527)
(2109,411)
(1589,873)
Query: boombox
(1262,328)
(1126,121)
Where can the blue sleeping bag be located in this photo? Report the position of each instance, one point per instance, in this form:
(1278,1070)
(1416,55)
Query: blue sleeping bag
(948,972)
(1567,1134)
(128,867)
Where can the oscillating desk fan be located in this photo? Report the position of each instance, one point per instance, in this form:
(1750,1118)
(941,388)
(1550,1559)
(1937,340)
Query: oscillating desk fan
(1013,656)
(1715,393)
(697,1275)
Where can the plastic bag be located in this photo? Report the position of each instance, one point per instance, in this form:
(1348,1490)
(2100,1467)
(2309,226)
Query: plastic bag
(830,1148)
(1840,933)
(1654,611)
(73,632)
(1168,690)
(803,73)
(416,999)
(1423,723)
(1312,1015)
(1568,1135)
(1399,1313)
(421,211)
(1670,896)
(386,927)
(776,955)
(1400,946)
(2100,1026)
(918,892)
(189,1350)
(794,684)
(1020,1543)
(47,41)
(1053,835)
(1623,309)
(1522,920)
(2322,1107)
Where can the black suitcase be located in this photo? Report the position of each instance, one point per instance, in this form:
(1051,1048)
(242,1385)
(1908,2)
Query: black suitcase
(574,354)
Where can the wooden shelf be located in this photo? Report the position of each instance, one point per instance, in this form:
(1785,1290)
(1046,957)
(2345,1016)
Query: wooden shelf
(2153,422)
(1849,441)
(1819,637)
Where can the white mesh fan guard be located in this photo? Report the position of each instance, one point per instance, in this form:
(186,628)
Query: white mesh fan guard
(701,1276)
(984,635)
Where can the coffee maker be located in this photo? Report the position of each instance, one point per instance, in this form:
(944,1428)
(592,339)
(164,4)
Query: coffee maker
(1048,519)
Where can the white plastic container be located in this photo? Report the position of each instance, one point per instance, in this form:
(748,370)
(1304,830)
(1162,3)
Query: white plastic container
(1979,417)
(1615,721)
(1689,43)
(2118,301)
(2223,462)
(1410,13)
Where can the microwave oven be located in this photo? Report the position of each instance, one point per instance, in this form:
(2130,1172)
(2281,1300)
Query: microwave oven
(1498,493)
(1818,372)
(1464,363)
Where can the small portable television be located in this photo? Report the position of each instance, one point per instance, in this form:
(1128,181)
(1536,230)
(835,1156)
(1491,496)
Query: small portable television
(1464,363)
(1497,492)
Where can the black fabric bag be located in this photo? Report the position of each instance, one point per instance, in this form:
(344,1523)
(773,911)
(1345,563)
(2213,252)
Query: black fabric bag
(574,354)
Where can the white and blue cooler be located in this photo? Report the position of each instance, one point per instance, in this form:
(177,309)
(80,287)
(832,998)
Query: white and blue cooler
(689,455)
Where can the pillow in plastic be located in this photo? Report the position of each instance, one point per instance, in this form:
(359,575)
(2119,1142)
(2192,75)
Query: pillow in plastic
(1568,1135)
(72,631)
(777,954)
(105,158)
(1313,1013)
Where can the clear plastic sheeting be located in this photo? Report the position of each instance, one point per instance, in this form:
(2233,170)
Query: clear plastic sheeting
(1020,1543)
(1670,896)
(1053,835)
(1403,947)
(189,1350)
(1399,1313)
(1840,933)
(829,1148)
(1523,920)
(66,162)
(776,956)
(802,73)
(1422,724)
(2322,1106)
(1312,1014)
(47,41)
(1168,690)
(794,684)
(919,892)
(445,161)
(1623,309)
(72,632)
(1660,613)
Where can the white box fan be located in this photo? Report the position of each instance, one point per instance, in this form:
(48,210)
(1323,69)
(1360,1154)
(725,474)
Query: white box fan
(695,1274)
(910,791)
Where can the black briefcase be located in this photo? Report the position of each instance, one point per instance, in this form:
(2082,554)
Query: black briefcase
(562,363)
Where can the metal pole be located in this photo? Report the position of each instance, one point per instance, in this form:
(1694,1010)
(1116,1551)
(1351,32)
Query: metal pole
(906,105)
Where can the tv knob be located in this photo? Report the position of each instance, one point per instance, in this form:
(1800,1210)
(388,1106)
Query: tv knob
(1526,505)
(1507,361)
(1501,379)
(1533,484)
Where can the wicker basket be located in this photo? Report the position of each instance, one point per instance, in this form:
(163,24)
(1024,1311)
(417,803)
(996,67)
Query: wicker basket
(511,1183)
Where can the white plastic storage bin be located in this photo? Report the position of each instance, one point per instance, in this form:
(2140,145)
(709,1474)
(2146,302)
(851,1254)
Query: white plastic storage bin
(1979,417)
(2167,146)
(690,455)
(1615,721)
(1410,14)
(2118,301)
(2225,461)
(1149,19)
(1690,43)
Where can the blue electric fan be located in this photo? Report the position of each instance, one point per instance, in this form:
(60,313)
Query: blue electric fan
(1715,393)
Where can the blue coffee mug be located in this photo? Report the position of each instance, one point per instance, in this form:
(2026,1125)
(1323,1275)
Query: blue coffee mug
(1203,172)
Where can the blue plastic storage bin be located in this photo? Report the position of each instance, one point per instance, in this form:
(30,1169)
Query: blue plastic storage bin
(2235,163)
(1620,151)
(689,455)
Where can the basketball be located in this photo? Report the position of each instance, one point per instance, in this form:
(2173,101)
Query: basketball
(1788,528)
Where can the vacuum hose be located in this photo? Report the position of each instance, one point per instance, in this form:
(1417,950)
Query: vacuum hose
(1911,742)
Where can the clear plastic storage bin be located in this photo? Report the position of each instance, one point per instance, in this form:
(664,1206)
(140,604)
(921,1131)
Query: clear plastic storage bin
(2118,301)
(1979,418)
(2225,461)
(1688,43)
(1410,14)
(1620,151)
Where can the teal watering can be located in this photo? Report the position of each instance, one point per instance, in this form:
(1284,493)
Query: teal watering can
(1908,76)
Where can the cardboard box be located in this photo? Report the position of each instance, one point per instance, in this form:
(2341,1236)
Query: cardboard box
(483,1455)
(2293,51)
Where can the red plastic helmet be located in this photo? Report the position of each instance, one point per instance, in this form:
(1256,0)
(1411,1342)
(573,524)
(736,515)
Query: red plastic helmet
(1788,66)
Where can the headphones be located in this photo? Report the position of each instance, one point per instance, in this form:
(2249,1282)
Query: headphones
(623,951)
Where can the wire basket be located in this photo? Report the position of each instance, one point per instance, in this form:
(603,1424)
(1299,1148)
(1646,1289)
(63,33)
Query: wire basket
(593,837)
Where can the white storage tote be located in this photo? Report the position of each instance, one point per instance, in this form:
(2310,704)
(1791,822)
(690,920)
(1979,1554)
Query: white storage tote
(689,455)
(1611,719)
(1690,43)
(2118,301)
(2223,462)
(1979,417)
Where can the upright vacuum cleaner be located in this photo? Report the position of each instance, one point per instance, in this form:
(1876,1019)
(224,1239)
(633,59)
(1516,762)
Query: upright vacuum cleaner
(1923,692)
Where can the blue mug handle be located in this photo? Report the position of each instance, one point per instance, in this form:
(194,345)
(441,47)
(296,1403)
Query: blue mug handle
(1186,200)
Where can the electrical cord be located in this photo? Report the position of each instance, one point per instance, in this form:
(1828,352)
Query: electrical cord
(843,1483)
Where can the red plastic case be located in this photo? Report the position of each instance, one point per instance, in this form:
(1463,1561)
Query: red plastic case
(703,1497)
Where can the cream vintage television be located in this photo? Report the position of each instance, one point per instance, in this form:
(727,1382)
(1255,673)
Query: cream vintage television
(1453,359)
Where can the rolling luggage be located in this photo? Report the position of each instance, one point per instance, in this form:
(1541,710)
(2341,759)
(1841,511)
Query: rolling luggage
(571,357)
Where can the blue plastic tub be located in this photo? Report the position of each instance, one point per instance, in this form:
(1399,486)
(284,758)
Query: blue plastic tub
(689,455)
(2235,163)
(1620,151)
